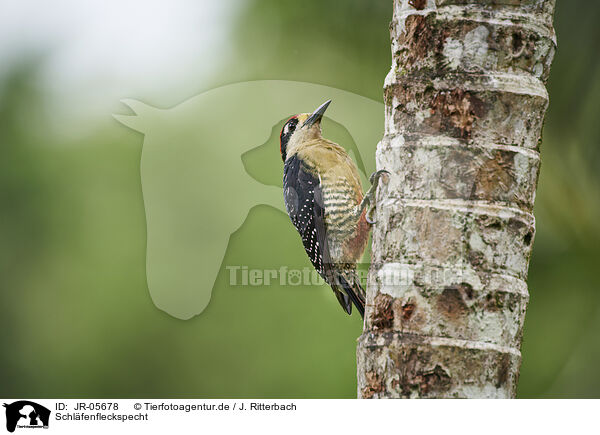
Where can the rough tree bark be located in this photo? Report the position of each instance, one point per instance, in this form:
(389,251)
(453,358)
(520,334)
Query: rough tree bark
(465,101)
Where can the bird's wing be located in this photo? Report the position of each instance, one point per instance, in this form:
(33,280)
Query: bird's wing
(303,197)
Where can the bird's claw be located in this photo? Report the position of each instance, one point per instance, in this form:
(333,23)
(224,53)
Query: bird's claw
(375,176)
(370,195)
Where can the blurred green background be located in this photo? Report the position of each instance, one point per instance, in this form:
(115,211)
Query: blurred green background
(76,318)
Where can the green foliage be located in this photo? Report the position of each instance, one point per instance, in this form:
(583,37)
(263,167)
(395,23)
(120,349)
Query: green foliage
(77,319)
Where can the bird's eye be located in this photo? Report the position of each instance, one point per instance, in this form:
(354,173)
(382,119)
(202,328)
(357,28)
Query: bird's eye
(288,129)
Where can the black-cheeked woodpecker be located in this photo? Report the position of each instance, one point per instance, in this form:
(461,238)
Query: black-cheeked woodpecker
(324,199)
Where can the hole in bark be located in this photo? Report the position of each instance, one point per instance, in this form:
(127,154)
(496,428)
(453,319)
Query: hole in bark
(495,225)
(418,4)
(517,42)
(407,311)
(451,302)
(528,237)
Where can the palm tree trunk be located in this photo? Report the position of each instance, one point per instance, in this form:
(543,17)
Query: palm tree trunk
(465,103)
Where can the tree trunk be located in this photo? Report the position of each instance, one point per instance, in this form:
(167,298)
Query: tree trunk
(465,102)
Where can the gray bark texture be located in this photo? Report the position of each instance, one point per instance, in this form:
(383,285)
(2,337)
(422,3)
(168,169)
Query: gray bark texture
(447,293)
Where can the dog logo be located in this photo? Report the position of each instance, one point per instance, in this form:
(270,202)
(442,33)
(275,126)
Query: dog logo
(26,414)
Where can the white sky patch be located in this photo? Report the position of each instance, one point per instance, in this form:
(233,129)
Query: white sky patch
(96,52)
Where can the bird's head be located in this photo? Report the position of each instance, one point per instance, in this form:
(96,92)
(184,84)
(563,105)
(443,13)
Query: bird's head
(301,128)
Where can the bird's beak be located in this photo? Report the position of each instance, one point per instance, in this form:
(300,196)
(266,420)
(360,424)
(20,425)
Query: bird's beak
(316,115)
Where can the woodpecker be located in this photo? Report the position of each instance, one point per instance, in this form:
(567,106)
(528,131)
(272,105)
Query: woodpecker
(324,199)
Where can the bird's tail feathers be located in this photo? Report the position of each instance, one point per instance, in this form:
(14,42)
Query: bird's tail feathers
(354,291)
(343,299)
